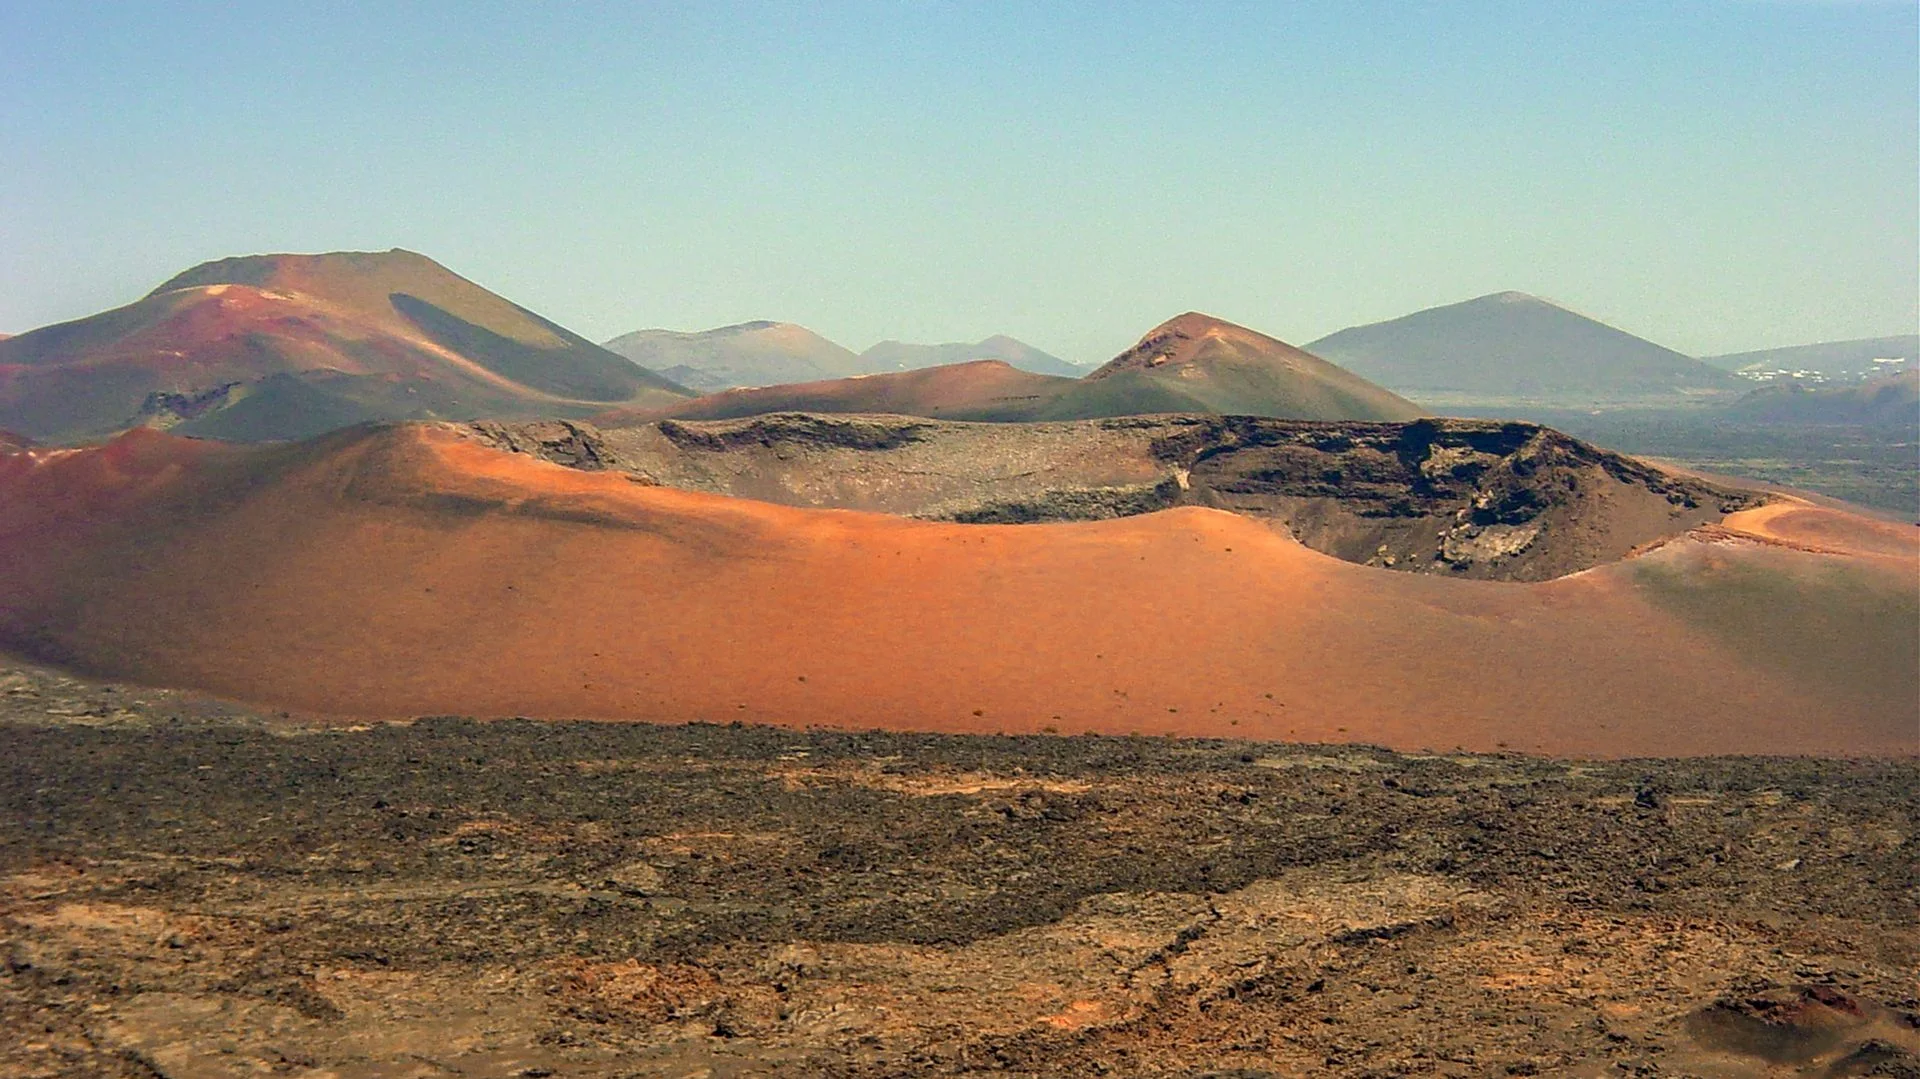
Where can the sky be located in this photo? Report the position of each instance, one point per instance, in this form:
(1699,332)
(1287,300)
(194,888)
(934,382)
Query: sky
(1714,176)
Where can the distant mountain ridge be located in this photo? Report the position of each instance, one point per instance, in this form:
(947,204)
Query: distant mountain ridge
(760,353)
(766,353)
(283,346)
(902,356)
(1831,358)
(1191,363)
(1511,345)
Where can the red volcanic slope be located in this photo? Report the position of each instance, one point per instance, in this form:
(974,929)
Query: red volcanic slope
(1232,369)
(412,571)
(335,321)
(99,374)
(1185,340)
(978,389)
(363,283)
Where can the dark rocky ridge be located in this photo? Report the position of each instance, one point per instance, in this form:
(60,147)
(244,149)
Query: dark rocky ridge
(563,442)
(1473,498)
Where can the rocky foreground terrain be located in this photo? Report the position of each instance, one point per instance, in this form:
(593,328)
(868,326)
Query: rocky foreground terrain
(191,889)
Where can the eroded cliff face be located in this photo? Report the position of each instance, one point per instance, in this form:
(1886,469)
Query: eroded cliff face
(1471,498)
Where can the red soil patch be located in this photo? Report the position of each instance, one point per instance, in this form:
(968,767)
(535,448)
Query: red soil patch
(409,571)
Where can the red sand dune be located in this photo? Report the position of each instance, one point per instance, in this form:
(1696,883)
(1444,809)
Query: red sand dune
(409,571)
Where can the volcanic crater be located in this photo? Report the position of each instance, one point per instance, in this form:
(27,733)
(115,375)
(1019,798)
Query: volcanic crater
(1466,498)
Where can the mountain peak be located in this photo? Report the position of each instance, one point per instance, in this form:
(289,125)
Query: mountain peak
(1211,364)
(894,355)
(1514,345)
(260,270)
(1509,300)
(1181,339)
(1194,324)
(760,352)
(311,342)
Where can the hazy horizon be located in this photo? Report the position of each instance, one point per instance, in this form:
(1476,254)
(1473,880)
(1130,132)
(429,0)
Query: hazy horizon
(1717,178)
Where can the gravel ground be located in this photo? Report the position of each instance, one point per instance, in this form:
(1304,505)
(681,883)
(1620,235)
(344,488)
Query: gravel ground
(192,889)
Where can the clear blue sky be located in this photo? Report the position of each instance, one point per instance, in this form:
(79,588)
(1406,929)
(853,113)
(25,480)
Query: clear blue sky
(1716,176)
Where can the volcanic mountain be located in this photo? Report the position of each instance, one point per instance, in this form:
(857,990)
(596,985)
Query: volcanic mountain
(1511,346)
(1193,363)
(901,356)
(418,569)
(1231,370)
(749,354)
(285,346)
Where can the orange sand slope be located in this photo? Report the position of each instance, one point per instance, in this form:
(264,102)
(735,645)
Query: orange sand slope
(404,571)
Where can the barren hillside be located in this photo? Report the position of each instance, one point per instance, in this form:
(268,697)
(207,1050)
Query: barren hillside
(416,570)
